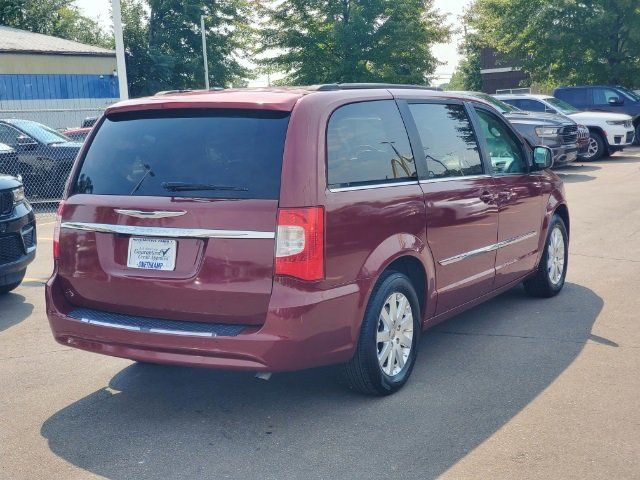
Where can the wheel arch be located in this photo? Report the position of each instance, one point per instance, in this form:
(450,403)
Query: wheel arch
(555,205)
(409,255)
(599,131)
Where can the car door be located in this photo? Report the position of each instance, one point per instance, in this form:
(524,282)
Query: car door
(459,195)
(602,96)
(519,197)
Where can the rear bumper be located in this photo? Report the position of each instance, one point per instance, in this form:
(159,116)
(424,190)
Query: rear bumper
(303,329)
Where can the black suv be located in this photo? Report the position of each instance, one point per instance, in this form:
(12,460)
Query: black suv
(44,156)
(17,234)
(614,99)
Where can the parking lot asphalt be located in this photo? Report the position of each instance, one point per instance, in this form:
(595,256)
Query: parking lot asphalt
(515,388)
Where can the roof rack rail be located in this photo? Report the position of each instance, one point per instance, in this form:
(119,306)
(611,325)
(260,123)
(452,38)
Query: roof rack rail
(171,92)
(364,86)
(186,90)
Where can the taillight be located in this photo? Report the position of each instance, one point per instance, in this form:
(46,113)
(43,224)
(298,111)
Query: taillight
(56,231)
(300,243)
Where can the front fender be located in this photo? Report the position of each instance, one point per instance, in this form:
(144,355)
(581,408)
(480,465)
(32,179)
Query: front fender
(392,249)
(556,200)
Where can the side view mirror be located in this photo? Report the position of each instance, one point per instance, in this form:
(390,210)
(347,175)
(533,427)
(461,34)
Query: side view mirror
(550,110)
(543,157)
(616,101)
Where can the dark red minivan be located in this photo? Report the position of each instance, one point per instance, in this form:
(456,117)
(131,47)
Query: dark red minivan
(281,229)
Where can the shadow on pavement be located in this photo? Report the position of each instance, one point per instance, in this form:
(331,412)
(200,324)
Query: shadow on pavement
(13,310)
(575,173)
(575,177)
(474,373)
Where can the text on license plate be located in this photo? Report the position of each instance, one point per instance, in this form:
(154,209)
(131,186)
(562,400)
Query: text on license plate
(152,253)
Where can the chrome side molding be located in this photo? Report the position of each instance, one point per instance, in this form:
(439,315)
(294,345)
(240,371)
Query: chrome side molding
(488,248)
(165,232)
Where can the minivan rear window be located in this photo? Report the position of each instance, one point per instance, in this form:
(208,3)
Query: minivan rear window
(187,153)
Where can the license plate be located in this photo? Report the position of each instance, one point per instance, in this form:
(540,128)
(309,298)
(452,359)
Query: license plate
(152,254)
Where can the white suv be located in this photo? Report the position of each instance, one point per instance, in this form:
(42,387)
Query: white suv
(610,132)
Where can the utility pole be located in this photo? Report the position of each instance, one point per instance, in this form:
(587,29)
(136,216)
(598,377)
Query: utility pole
(204,53)
(121,66)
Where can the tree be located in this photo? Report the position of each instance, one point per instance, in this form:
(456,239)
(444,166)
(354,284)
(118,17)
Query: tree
(467,75)
(175,44)
(135,30)
(565,41)
(324,41)
(59,18)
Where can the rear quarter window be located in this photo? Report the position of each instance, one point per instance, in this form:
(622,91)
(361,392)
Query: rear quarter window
(367,143)
(211,153)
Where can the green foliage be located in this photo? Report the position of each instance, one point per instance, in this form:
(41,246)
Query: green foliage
(565,41)
(135,28)
(467,76)
(60,18)
(164,44)
(325,41)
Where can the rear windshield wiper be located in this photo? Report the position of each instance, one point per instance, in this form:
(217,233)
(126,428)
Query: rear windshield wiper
(195,187)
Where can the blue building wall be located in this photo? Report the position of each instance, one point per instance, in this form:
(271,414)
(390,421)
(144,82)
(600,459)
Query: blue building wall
(57,86)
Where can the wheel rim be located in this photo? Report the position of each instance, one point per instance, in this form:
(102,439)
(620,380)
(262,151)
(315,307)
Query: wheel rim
(555,258)
(395,334)
(593,147)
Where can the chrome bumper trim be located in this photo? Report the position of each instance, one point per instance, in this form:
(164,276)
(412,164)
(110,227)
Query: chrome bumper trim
(165,232)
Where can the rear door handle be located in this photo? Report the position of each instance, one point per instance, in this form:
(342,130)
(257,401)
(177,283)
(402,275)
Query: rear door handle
(487,197)
(506,196)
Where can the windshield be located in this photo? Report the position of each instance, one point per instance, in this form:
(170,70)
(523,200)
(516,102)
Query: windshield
(562,106)
(187,153)
(497,104)
(41,133)
(630,95)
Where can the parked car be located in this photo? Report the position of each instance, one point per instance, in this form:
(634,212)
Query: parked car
(605,98)
(557,132)
(17,234)
(609,132)
(77,134)
(45,157)
(8,161)
(89,122)
(276,230)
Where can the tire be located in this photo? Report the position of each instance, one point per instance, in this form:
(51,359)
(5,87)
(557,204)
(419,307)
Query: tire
(4,289)
(548,282)
(365,373)
(636,140)
(596,149)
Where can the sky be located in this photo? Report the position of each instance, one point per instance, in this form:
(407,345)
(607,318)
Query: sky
(446,53)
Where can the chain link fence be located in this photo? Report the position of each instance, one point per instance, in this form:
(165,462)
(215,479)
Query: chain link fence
(40,145)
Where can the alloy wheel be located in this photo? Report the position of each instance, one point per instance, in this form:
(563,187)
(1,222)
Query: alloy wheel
(555,257)
(395,334)
(593,148)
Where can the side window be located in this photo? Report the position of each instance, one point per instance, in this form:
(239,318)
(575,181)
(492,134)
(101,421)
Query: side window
(367,143)
(505,150)
(601,96)
(9,135)
(574,96)
(448,139)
